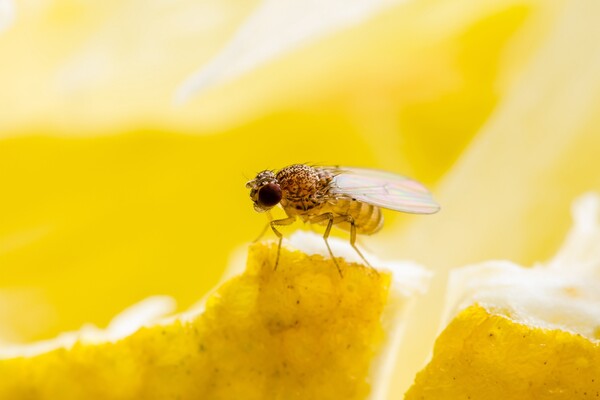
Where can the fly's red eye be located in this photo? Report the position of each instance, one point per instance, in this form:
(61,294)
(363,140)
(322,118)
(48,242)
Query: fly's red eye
(269,195)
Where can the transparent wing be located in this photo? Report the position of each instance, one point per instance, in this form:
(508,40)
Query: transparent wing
(382,189)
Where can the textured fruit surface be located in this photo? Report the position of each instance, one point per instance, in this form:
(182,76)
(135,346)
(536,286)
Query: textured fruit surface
(300,332)
(483,355)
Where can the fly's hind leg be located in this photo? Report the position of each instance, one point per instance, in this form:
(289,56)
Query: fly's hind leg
(353,241)
(280,222)
(332,220)
(336,220)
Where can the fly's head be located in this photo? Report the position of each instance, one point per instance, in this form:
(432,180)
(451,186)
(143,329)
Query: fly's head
(265,191)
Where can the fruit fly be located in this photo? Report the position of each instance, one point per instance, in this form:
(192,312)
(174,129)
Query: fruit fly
(349,198)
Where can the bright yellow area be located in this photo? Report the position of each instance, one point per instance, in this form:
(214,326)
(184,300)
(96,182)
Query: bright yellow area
(300,332)
(108,188)
(486,355)
(90,226)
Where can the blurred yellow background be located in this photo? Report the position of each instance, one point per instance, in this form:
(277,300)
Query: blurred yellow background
(112,191)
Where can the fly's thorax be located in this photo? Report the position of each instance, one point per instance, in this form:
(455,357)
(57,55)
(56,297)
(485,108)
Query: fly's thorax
(303,188)
(368,218)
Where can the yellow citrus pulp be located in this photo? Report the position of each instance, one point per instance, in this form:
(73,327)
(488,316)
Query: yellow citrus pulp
(523,333)
(299,332)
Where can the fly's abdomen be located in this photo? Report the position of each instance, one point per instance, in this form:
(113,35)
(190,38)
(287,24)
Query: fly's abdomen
(368,219)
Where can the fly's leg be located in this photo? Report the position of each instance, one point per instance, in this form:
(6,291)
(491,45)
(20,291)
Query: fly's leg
(353,240)
(264,230)
(332,220)
(280,222)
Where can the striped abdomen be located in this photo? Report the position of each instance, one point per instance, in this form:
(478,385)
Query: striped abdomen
(368,219)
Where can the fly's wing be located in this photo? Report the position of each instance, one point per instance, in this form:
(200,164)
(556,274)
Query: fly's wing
(382,189)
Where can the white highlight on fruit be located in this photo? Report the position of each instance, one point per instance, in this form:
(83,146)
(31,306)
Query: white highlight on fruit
(144,313)
(561,294)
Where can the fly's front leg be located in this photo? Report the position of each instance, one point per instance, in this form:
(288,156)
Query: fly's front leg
(264,230)
(332,220)
(280,222)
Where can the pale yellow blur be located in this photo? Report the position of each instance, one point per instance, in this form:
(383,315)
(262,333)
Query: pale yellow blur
(509,194)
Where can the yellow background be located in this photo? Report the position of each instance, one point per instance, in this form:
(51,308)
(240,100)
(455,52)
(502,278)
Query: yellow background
(111,193)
